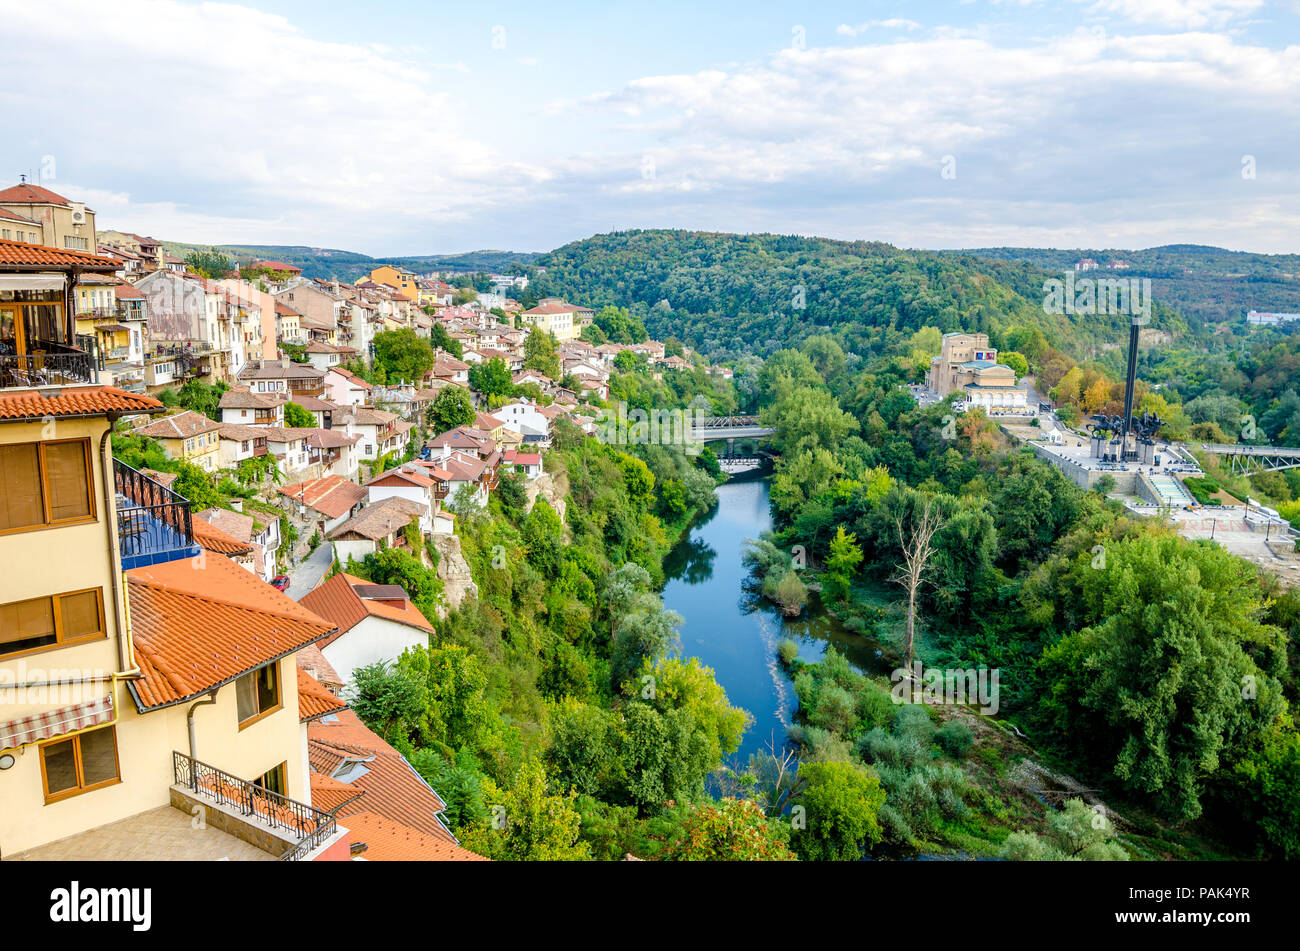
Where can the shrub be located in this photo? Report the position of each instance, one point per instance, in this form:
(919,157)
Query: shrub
(955,739)
(875,708)
(788,651)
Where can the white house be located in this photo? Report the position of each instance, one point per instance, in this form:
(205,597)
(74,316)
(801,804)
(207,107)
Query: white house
(376,623)
(380,523)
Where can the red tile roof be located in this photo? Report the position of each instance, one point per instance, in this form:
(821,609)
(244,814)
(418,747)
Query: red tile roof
(329,794)
(389,841)
(181,425)
(313,661)
(331,495)
(338,602)
(74,401)
(16,254)
(277,266)
(392,787)
(211,538)
(314,701)
(25,193)
(198,623)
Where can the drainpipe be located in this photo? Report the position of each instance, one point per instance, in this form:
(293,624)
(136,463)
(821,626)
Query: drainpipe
(189,721)
(121,620)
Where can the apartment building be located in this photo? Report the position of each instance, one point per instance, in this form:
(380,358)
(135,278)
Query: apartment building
(61,223)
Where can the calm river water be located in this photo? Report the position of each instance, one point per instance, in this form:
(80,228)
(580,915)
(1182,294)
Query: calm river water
(734,633)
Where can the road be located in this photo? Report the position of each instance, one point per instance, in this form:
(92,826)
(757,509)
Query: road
(307,574)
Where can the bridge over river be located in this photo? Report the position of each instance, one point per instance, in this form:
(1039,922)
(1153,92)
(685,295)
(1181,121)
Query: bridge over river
(731,428)
(1247,459)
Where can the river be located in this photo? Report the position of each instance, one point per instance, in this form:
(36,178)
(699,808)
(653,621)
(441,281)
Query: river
(736,634)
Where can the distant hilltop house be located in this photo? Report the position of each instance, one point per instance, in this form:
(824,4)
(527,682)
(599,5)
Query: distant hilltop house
(1085,264)
(968,364)
(1268,319)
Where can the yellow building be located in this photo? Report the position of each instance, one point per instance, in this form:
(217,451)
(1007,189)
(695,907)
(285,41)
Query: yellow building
(565,321)
(63,224)
(142,674)
(399,279)
(189,436)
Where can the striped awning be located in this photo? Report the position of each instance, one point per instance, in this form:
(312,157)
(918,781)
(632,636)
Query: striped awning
(52,723)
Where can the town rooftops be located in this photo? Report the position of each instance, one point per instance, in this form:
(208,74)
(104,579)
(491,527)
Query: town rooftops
(368,416)
(182,425)
(8,215)
(64,402)
(199,623)
(18,255)
(463,437)
(235,524)
(279,370)
(238,397)
(276,266)
(552,306)
(379,520)
(331,495)
(411,474)
(343,601)
(240,433)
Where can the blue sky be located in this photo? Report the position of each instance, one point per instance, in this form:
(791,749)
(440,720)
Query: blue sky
(405,128)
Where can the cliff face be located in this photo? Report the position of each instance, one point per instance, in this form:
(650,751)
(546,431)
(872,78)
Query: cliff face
(554,488)
(454,571)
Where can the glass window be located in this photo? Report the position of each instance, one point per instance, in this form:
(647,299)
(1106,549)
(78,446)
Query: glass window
(79,763)
(65,469)
(26,625)
(20,474)
(257,693)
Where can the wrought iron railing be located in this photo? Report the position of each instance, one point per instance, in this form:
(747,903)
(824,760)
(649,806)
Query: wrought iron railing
(310,826)
(55,367)
(151,518)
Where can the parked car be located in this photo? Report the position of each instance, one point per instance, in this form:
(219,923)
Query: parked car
(280,582)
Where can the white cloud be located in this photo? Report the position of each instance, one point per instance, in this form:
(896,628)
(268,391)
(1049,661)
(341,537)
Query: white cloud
(1180,14)
(893,23)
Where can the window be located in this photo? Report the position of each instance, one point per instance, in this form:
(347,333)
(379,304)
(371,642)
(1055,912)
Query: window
(273,780)
(79,764)
(258,693)
(46,483)
(44,622)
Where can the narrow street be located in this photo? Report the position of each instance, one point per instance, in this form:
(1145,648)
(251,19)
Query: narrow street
(307,574)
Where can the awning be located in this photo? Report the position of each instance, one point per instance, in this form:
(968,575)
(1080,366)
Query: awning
(43,281)
(52,723)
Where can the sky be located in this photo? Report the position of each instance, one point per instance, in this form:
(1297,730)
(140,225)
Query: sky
(402,128)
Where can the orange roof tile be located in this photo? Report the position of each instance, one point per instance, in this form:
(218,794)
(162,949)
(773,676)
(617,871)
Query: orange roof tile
(329,794)
(389,841)
(314,701)
(393,788)
(180,425)
(211,538)
(199,623)
(74,401)
(26,193)
(16,254)
(331,495)
(339,603)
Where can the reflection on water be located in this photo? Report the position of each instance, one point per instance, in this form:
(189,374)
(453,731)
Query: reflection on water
(736,633)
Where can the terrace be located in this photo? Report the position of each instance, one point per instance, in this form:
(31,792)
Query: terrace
(154,524)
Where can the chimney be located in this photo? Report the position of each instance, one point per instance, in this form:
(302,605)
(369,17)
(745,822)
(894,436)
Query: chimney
(237,504)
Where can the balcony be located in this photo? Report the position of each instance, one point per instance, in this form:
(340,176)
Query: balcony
(292,830)
(153,522)
(49,364)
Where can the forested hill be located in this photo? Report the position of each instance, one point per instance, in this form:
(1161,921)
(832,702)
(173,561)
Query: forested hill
(332,263)
(1205,284)
(728,293)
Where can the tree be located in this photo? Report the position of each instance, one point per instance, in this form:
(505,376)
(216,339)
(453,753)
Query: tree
(619,326)
(440,339)
(457,713)
(492,378)
(464,295)
(730,830)
(452,407)
(843,560)
(402,355)
(916,545)
(527,823)
(540,353)
(211,264)
(1158,685)
(806,418)
(843,802)
(295,415)
(1016,361)
(647,632)
(390,700)
(1078,833)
